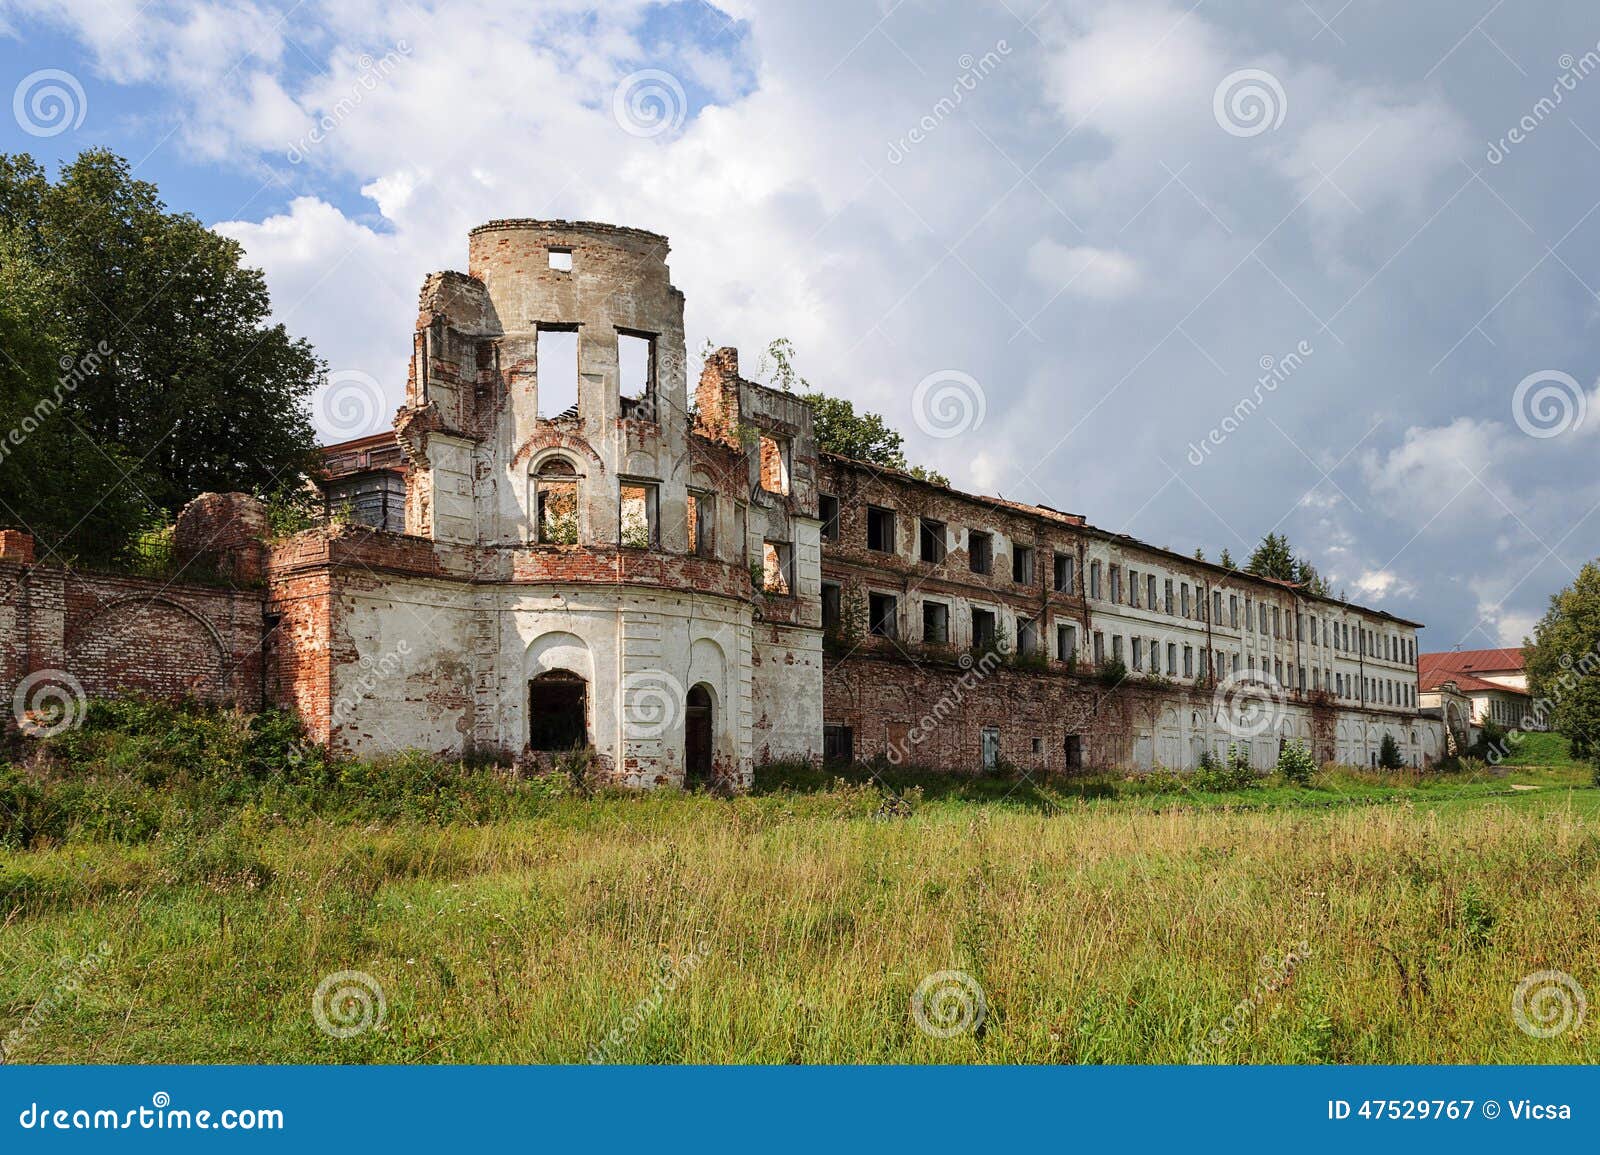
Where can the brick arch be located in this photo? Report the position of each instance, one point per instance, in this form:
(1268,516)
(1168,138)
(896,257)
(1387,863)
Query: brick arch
(553,439)
(155,645)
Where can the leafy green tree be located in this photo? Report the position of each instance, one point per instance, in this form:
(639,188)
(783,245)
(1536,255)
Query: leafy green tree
(1226,560)
(77,497)
(863,436)
(1389,753)
(1199,554)
(197,385)
(1563,663)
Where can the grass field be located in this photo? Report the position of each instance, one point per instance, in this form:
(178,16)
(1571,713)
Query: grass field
(1104,922)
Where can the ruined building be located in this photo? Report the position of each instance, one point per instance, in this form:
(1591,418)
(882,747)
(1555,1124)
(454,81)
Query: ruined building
(559,546)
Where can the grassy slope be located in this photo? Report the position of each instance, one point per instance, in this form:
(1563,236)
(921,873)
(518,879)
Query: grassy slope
(1102,931)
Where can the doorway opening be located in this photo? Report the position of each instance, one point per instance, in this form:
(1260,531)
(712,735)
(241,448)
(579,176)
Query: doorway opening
(558,711)
(697,732)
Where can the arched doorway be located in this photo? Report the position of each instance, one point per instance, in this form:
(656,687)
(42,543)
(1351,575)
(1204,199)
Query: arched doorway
(558,711)
(697,737)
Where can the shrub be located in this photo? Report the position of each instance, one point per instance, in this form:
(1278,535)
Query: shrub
(1389,754)
(1112,672)
(1222,777)
(1296,764)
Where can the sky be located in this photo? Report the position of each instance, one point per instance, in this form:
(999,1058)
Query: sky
(1198,271)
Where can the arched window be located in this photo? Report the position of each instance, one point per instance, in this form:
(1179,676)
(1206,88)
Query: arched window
(555,502)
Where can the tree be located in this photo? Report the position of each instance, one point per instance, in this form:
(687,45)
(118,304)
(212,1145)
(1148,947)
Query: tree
(1275,558)
(1563,663)
(1199,554)
(839,429)
(194,382)
(76,497)
(1226,560)
(1389,754)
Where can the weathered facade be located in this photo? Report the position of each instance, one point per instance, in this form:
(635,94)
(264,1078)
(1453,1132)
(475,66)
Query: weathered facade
(557,549)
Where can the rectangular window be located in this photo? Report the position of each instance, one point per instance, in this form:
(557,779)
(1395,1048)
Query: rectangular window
(1138,653)
(1094,579)
(1150,590)
(777,567)
(636,375)
(560,259)
(557,508)
(1099,648)
(637,528)
(881,614)
(1074,751)
(556,372)
(702,512)
(1133,588)
(1063,575)
(930,540)
(1277,621)
(838,744)
(1172,659)
(1022,564)
(935,623)
(831,602)
(1116,647)
(991,748)
(1216,606)
(1027,639)
(828,511)
(980,552)
(1066,643)
(982,629)
(1183,599)
(1167,597)
(1188,661)
(1233,611)
(1116,585)
(880,529)
(774,463)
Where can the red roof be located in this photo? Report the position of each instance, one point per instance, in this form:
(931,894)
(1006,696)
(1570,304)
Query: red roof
(1433,670)
(1475,661)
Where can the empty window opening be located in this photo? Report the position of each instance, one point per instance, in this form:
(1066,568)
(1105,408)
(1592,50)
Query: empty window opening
(838,744)
(1116,584)
(1074,752)
(832,600)
(701,513)
(980,552)
(636,375)
(880,529)
(983,629)
(556,500)
(1094,579)
(930,540)
(1027,639)
(1063,574)
(828,511)
(1022,565)
(556,366)
(1067,643)
(881,615)
(558,711)
(561,260)
(777,561)
(935,623)
(774,464)
(637,525)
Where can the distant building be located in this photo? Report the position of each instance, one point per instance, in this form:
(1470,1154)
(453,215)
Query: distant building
(1494,681)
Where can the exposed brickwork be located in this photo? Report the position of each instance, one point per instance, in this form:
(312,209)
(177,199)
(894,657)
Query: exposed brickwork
(226,534)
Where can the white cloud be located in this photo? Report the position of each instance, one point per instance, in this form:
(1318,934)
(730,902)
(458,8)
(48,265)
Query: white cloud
(1084,271)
